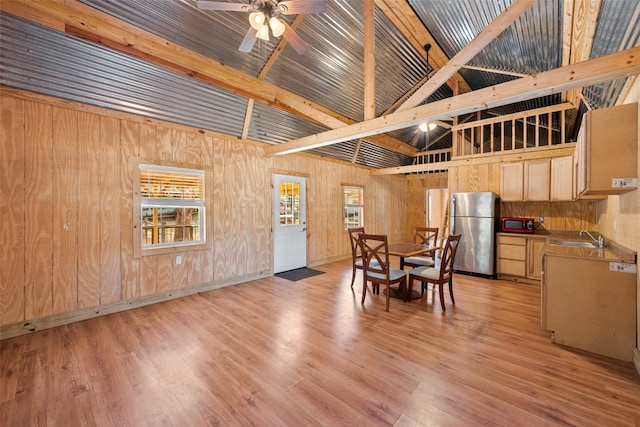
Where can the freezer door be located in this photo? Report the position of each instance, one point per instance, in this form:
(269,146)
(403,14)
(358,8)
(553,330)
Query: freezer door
(476,251)
(474,204)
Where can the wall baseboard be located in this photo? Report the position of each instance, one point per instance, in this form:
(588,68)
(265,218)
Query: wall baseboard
(636,359)
(30,326)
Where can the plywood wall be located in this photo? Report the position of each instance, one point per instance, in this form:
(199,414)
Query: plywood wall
(66,194)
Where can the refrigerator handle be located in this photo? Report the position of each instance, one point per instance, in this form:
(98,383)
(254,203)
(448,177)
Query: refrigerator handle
(453,215)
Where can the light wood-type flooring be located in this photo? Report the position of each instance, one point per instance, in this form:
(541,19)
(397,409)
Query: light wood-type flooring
(274,352)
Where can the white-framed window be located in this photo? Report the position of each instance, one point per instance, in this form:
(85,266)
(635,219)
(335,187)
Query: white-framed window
(353,198)
(172,206)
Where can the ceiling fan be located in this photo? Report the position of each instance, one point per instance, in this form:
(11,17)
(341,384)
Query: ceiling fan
(264,15)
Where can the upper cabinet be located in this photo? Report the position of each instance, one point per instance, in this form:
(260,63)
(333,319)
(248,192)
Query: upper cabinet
(512,181)
(562,179)
(525,181)
(607,151)
(536,180)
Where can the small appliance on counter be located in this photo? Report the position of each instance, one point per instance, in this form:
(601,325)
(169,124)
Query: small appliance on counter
(517,225)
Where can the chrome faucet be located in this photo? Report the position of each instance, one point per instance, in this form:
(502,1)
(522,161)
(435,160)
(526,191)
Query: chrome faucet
(599,240)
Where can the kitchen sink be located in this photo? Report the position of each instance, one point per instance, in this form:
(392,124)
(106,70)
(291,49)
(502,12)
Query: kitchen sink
(574,243)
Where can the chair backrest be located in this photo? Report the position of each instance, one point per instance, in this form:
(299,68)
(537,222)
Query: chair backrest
(353,238)
(375,253)
(426,236)
(448,255)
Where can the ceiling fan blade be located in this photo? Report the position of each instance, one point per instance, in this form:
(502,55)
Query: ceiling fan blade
(249,40)
(220,5)
(294,39)
(296,7)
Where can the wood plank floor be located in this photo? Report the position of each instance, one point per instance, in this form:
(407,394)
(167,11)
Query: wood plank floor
(278,353)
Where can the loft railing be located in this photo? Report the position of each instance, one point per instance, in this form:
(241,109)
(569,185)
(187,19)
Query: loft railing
(543,128)
(431,157)
(532,130)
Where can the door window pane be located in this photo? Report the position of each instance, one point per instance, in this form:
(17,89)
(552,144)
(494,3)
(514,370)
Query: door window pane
(289,203)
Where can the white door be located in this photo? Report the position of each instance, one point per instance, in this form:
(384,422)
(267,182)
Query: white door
(290,223)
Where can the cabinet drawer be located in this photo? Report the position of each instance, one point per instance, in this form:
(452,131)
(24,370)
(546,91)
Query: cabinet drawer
(511,267)
(514,252)
(512,240)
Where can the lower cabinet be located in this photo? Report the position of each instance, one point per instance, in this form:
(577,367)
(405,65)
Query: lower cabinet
(519,257)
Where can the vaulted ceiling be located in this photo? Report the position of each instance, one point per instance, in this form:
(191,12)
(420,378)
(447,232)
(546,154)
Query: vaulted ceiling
(360,90)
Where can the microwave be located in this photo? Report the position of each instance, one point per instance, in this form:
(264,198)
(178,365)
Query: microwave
(517,225)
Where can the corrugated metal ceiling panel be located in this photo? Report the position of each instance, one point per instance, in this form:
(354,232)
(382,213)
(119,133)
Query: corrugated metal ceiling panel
(614,16)
(42,60)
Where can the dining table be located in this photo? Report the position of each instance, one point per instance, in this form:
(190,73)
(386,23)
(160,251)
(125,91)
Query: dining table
(405,250)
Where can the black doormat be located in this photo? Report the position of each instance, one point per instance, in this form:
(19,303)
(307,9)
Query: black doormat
(299,274)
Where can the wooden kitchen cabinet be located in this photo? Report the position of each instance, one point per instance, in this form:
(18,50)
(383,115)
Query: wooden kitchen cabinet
(537,175)
(512,182)
(607,151)
(519,257)
(534,256)
(511,256)
(525,181)
(562,179)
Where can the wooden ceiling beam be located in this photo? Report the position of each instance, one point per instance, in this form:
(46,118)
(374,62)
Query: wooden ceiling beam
(102,28)
(581,20)
(412,28)
(486,36)
(605,68)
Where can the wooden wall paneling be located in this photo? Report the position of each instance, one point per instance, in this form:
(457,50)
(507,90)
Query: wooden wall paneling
(129,138)
(477,177)
(164,272)
(193,150)
(89,213)
(12,211)
(453,182)
(148,274)
(179,146)
(242,210)
(322,189)
(65,210)
(217,194)
(147,150)
(164,150)
(207,161)
(194,268)
(493,177)
(180,271)
(555,218)
(147,142)
(416,207)
(110,218)
(571,217)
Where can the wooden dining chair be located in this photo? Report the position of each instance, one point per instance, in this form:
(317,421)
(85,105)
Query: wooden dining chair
(440,274)
(356,255)
(376,267)
(423,236)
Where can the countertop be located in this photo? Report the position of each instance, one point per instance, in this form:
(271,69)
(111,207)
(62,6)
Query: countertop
(612,252)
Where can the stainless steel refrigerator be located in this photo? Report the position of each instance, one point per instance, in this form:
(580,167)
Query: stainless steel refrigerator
(476,216)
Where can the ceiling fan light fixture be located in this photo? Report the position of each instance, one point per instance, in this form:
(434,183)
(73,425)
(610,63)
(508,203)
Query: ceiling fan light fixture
(263,33)
(257,20)
(277,27)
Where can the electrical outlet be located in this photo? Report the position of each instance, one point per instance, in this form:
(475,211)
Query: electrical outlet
(178,260)
(541,219)
(623,267)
